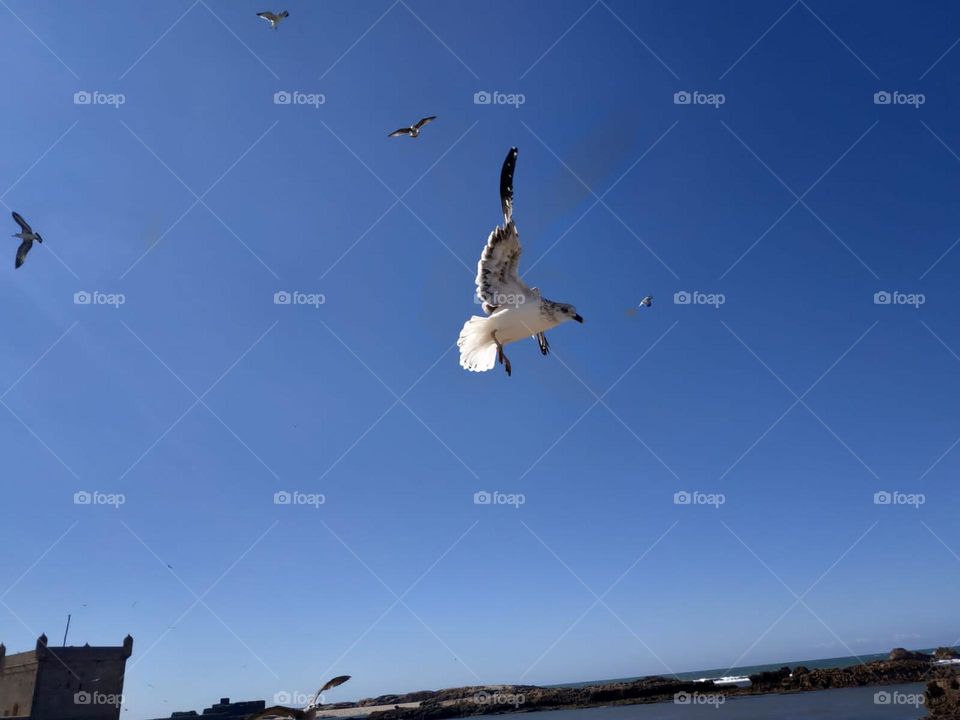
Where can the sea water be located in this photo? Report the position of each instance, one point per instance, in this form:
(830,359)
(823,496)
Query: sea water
(898,702)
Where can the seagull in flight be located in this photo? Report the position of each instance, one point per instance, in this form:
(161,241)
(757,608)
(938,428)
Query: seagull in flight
(309,711)
(273,18)
(414,130)
(515,310)
(27,235)
(646,302)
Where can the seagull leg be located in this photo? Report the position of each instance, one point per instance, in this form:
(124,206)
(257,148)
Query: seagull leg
(542,342)
(501,356)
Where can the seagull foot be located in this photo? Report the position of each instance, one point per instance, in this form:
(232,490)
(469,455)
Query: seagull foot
(544,345)
(501,356)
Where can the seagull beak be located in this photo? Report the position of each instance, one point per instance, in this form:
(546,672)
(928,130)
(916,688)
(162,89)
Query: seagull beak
(578,319)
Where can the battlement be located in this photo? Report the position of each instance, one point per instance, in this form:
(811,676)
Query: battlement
(63,683)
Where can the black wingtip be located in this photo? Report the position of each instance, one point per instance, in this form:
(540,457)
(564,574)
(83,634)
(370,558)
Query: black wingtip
(506,184)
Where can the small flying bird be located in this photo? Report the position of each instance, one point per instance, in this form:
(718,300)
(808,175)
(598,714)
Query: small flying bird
(27,235)
(273,18)
(414,130)
(308,712)
(515,310)
(647,301)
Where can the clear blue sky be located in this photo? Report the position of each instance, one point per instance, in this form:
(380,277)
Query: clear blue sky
(297,398)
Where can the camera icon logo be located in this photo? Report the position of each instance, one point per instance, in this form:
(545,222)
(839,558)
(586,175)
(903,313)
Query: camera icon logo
(682,97)
(482,498)
(882,698)
(82,298)
(882,298)
(82,698)
(882,498)
(282,497)
(682,298)
(682,698)
(282,97)
(482,97)
(82,497)
(283,698)
(682,498)
(282,297)
(82,97)
(882,98)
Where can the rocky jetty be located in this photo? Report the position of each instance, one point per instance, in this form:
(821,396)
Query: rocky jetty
(901,667)
(943,699)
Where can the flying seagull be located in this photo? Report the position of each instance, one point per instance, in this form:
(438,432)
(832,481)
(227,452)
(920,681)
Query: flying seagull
(309,711)
(515,310)
(646,302)
(273,18)
(414,130)
(27,235)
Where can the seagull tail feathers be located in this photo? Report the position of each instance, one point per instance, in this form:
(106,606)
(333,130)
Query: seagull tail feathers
(478,351)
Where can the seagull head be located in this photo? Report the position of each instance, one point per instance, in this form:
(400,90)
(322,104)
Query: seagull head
(568,312)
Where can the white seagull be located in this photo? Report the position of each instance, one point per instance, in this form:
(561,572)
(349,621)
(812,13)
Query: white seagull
(273,18)
(515,310)
(27,235)
(309,712)
(414,130)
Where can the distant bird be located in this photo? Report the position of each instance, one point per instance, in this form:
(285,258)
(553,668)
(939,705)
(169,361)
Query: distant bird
(646,302)
(27,235)
(414,130)
(309,711)
(273,18)
(516,310)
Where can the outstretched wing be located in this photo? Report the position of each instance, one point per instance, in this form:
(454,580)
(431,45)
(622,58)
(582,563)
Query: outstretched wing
(424,121)
(498,272)
(268,16)
(401,131)
(22,252)
(338,680)
(278,711)
(24,225)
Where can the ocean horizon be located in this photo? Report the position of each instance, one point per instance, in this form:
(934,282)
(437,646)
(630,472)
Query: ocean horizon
(746,670)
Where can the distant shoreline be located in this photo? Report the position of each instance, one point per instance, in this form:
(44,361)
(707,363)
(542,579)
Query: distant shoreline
(900,667)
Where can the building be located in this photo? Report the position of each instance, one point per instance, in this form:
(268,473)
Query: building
(223,710)
(63,683)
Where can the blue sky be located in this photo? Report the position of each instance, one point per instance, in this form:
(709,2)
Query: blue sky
(198,398)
